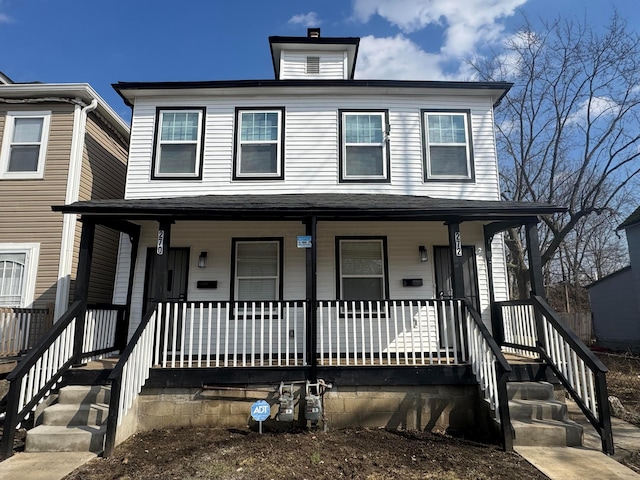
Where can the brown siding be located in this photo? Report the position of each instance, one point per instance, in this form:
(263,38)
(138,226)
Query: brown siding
(103,176)
(26,204)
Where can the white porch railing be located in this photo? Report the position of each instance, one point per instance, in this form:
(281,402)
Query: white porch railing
(101,322)
(231,334)
(390,332)
(519,325)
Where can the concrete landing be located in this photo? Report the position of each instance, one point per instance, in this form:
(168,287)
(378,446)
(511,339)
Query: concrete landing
(572,463)
(42,466)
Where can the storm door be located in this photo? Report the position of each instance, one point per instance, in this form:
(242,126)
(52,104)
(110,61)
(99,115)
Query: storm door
(444,287)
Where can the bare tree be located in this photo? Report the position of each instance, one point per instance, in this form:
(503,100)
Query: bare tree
(569,130)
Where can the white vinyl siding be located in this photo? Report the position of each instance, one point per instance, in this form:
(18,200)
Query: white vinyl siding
(311,145)
(293,65)
(24,145)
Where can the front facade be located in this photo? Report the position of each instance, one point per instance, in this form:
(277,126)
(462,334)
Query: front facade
(59,143)
(315,234)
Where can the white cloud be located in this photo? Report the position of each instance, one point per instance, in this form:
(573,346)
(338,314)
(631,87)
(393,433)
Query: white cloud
(466,24)
(598,107)
(4,18)
(396,58)
(307,19)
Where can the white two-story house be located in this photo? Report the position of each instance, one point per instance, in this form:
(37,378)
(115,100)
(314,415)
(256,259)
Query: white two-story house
(317,228)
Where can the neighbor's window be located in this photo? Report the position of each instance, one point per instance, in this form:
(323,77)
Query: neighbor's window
(448,151)
(18,269)
(259,143)
(361,264)
(364,150)
(257,269)
(179,139)
(24,144)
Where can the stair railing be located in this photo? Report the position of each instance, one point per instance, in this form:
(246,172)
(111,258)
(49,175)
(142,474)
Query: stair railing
(131,372)
(581,373)
(491,370)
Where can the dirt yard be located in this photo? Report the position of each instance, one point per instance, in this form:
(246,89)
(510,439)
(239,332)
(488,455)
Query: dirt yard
(207,453)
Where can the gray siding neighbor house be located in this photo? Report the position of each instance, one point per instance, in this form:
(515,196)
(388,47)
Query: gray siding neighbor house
(615,299)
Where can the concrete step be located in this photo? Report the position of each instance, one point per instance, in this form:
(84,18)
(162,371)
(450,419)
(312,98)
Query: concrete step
(48,438)
(530,391)
(537,410)
(68,414)
(547,433)
(77,394)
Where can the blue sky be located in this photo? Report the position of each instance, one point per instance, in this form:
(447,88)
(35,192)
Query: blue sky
(100,42)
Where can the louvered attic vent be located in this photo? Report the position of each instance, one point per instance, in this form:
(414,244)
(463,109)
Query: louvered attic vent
(313,65)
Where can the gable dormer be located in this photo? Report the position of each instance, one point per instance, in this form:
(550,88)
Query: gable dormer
(314,57)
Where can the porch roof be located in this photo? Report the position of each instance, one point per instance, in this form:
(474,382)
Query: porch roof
(327,206)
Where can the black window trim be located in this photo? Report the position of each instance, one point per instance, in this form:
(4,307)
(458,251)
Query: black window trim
(385,262)
(387,147)
(471,177)
(236,144)
(235,241)
(156,141)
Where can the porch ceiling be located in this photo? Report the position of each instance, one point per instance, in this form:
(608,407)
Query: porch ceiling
(299,206)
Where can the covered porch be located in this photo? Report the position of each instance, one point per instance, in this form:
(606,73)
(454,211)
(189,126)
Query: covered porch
(309,332)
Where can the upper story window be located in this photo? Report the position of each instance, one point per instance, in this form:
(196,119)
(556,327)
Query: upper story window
(179,139)
(448,147)
(259,145)
(362,268)
(24,144)
(364,151)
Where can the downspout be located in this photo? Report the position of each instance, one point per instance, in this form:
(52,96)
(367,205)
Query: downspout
(69,221)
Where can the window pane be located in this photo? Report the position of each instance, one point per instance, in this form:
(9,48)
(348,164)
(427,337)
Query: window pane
(179,158)
(256,289)
(364,161)
(446,129)
(179,126)
(24,158)
(362,289)
(257,158)
(361,258)
(448,160)
(12,273)
(363,128)
(28,130)
(259,126)
(256,259)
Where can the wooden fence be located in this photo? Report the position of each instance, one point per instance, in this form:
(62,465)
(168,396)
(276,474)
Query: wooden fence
(582,325)
(21,328)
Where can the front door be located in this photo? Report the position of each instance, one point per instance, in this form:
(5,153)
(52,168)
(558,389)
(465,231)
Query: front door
(444,287)
(177,277)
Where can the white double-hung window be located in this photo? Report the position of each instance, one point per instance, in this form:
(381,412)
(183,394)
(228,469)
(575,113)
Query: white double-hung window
(259,143)
(364,148)
(179,143)
(257,267)
(448,147)
(362,268)
(24,144)
(18,269)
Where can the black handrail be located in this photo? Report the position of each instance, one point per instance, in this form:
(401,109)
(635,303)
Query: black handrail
(13,416)
(602,423)
(116,381)
(503,372)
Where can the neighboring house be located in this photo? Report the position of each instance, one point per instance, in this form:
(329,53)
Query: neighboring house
(59,143)
(615,299)
(323,229)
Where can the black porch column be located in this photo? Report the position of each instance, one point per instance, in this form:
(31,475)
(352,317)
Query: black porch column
(455,245)
(535,261)
(162,261)
(81,290)
(312,296)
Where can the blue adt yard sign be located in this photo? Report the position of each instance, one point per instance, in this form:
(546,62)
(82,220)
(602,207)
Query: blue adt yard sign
(260,411)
